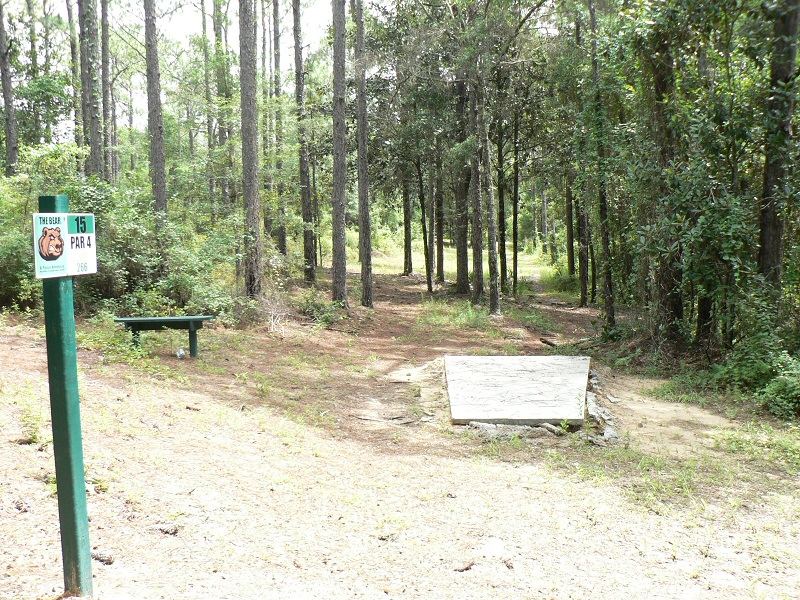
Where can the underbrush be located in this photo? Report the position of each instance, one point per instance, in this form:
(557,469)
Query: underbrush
(454,314)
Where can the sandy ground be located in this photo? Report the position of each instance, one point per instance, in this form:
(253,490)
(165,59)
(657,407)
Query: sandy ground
(205,486)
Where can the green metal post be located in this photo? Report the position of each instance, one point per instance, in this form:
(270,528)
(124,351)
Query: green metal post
(192,341)
(62,365)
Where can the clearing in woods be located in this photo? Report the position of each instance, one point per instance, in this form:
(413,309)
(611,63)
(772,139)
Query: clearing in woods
(298,462)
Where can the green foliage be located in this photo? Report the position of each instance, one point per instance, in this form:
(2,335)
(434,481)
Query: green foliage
(441,313)
(18,286)
(761,441)
(317,308)
(781,395)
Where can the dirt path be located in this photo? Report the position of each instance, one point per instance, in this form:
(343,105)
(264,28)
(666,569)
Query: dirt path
(321,464)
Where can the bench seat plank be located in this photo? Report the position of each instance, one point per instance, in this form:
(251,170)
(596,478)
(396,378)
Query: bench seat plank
(191,323)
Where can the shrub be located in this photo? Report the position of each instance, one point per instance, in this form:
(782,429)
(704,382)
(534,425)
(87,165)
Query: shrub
(781,396)
(18,285)
(751,363)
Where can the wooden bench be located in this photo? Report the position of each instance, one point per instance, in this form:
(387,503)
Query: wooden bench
(192,323)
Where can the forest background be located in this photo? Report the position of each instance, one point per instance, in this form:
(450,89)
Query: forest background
(644,147)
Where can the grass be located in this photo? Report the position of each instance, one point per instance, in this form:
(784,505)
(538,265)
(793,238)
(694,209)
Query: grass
(765,443)
(114,343)
(454,314)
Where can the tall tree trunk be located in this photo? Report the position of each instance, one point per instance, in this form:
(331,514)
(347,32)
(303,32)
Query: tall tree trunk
(778,137)
(501,206)
(462,198)
(491,207)
(439,202)
(570,227)
(543,228)
(10,113)
(608,290)
(115,166)
(221,70)
(267,152)
(33,57)
(250,178)
(422,218)
(668,276)
(339,197)
(515,216)
(584,241)
(131,130)
(364,224)
(279,188)
(47,27)
(75,64)
(212,183)
(431,239)
(155,118)
(476,197)
(307,209)
(407,216)
(105,60)
(90,66)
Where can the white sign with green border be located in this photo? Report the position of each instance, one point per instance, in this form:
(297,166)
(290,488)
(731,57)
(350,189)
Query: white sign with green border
(64,244)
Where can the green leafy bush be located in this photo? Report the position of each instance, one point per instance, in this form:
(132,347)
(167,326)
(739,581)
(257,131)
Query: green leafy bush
(18,285)
(751,363)
(321,311)
(781,396)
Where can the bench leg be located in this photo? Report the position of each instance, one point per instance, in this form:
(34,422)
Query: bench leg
(193,343)
(135,337)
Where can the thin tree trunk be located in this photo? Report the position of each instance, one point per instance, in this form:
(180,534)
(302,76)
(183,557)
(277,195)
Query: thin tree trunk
(339,197)
(491,207)
(407,210)
(608,290)
(221,64)
(87,15)
(105,79)
(279,188)
(501,207)
(439,201)
(422,218)
(364,224)
(570,227)
(131,130)
(115,166)
(476,202)
(250,179)
(212,183)
(462,199)
(431,239)
(515,217)
(75,65)
(33,57)
(269,125)
(543,229)
(668,275)
(584,241)
(307,209)
(155,119)
(10,113)
(47,23)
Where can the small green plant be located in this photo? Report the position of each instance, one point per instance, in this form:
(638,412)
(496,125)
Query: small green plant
(31,424)
(461,315)
(323,312)
(781,395)
(761,441)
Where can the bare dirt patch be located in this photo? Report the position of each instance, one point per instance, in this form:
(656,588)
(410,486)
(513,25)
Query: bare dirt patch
(321,464)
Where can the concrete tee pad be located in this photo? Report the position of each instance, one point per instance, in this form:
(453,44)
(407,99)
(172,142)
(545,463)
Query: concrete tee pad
(520,390)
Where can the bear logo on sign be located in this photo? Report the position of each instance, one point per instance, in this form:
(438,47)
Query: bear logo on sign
(51,244)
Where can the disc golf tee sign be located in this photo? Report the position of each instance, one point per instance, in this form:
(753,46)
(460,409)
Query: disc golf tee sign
(64,244)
